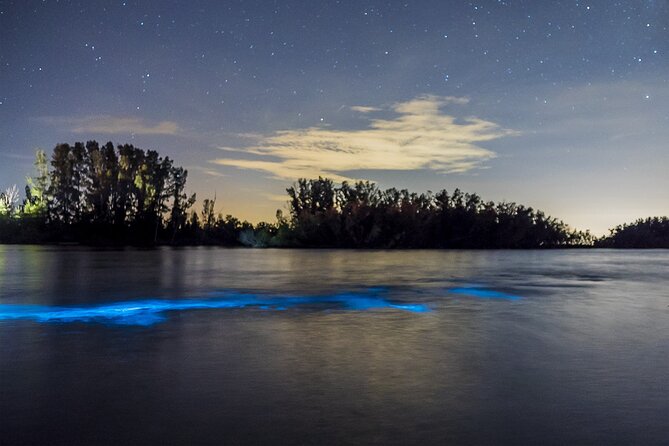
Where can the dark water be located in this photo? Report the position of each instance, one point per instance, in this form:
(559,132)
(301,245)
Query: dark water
(216,346)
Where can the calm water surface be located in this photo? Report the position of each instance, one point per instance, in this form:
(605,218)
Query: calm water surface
(333,347)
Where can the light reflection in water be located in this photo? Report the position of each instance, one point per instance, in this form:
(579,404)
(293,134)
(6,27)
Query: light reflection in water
(150,311)
(581,358)
(483,293)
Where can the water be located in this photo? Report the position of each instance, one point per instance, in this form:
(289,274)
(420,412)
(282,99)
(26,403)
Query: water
(236,346)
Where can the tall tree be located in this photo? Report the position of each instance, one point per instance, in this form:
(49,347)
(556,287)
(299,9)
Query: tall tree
(102,181)
(66,180)
(180,201)
(37,188)
(8,201)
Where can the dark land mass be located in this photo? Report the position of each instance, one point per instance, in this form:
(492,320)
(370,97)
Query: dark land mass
(114,196)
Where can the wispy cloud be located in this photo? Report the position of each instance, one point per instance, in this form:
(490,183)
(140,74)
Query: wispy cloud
(276,197)
(113,125)
(205,171)
(232,149)
(419,136)
(364,109)
(247,135)
(18,156)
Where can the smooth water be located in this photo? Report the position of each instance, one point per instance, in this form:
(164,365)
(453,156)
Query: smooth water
(239,346)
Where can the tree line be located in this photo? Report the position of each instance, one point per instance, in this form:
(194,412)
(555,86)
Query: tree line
(652,232)
(92,193)
(122,195)
(361,215)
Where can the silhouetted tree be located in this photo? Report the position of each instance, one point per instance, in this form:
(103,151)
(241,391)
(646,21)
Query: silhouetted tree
(107,194)
(312,206)
(360,215)
(180,201)
(65,191)
(103,194)
(652,232)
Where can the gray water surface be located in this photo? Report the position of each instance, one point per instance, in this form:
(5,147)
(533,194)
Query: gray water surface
(333,347)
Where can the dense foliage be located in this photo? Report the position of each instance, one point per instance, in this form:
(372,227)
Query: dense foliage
(648,233)
(98,194)
(363,216)
(124,195)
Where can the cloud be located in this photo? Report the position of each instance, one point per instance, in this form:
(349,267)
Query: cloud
(419,136)
(18,156)
(276,197)
(232,149)
(113,125)
(204,170)
(364,109)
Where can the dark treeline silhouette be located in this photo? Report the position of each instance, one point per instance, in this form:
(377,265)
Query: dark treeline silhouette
(649,233)
(363,216)
(101,195)
(123,195)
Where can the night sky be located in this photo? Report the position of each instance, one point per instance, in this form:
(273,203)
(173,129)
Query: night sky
(560,105)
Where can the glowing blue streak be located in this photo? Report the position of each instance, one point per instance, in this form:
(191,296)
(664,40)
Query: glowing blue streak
(483,293)
(148,312)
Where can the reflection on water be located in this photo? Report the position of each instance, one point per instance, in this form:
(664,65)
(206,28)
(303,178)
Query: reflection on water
(148,312)
(483,293)
(518,347)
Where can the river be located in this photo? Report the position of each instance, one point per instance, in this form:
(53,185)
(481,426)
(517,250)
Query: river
(243,346)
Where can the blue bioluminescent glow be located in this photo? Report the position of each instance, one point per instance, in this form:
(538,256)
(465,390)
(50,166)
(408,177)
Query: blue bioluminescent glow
(151,311)
(483,293)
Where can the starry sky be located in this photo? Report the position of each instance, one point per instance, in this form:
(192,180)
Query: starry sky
(559,105)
